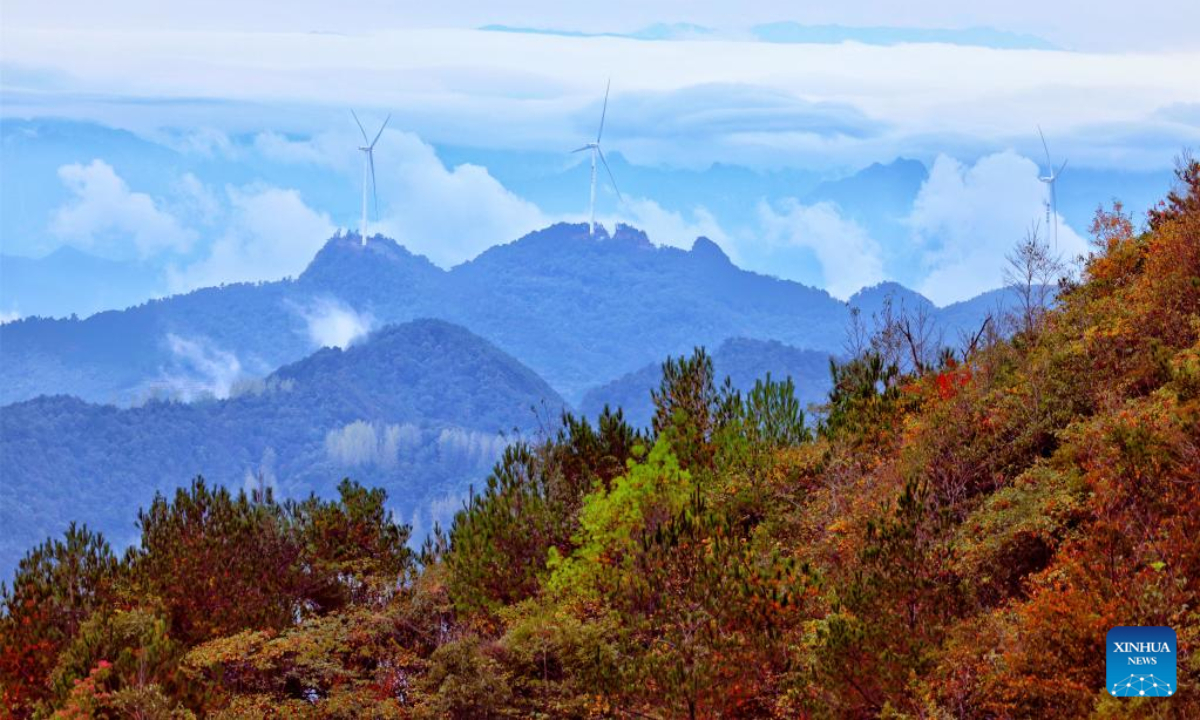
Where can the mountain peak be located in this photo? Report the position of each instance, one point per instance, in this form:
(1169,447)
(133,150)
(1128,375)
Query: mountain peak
(706,249)
(631,236)
(377,246)
(561,231)
(345,261)
(871,299)
(429,353)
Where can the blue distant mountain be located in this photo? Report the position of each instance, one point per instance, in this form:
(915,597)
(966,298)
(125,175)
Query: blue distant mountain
(742,360)
(421,408)
(69,281)
(871,300)
(578,310)
(793,32)
(877,191)
(657,31)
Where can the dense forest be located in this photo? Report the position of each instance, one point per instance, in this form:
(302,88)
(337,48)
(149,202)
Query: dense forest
(952,537)
(421,409)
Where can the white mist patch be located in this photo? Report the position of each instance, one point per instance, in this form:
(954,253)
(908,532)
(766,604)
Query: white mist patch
(259,386)
(9,316)
(438,512)
(361,443)
(470,447)
(332,323)
(203,370)
(261,480)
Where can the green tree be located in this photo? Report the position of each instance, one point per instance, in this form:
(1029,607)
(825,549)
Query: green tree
(498,543)
(122,663)
(58,585)
(352,549)
(218,563)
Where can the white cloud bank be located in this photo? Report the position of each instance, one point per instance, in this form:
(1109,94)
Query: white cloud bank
(104,212)
(668,227)
(505,90)
(850,259)
(448,214)
(967,218)
(262,232)
(270,234)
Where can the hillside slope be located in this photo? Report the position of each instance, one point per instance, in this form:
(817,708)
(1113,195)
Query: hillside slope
(417,408)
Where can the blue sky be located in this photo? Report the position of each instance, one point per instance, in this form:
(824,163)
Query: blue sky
(249,105)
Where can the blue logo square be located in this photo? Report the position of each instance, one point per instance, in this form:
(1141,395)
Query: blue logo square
(1141,661)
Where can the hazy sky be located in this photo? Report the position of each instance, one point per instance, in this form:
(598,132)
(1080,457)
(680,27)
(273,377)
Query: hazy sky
(1074,24)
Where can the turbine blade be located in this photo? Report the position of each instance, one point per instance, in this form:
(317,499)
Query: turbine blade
(374,187)
(604,111)
(585,147)
(1060,169)
(1049,164)
(381,127)
(611,179)
(360,127)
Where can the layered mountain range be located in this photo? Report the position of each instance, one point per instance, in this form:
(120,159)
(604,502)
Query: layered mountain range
(578,310)
(440,369)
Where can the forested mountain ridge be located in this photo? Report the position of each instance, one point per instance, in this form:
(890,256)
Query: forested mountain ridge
(742,360)
(611,305)
(953,538)
(421,409)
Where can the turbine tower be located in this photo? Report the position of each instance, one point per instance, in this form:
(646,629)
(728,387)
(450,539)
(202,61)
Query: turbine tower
(368,151)
(598,153)
(1050,179)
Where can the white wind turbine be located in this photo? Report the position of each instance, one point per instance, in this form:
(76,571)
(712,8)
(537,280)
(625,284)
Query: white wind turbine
(1050,179)
(368,167)
(598,153)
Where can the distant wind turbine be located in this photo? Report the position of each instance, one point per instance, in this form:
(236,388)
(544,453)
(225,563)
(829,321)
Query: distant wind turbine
(368,167)
(598,153)
(1050,179)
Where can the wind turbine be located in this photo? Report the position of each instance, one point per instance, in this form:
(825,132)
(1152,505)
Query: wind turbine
(598,153)
(368,151)
(1052,206)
